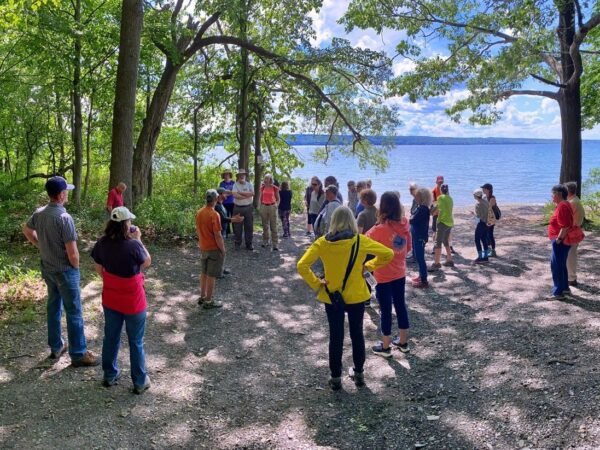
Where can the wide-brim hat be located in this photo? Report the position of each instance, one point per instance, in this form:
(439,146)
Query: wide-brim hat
(227,171)
(241,172)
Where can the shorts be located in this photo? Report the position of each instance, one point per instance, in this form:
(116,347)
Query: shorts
(211,263)
(312,218)
(442,235)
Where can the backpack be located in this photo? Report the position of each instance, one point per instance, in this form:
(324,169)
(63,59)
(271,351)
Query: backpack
(497,212)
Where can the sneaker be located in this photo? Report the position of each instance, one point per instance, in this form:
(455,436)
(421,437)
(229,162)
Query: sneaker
(249,248)
(144,387)
(454,252)
(226,272)
(573,283)
(88,360)
(211,304)
(335,383)
(448,264)
(404,348)
(493,253)
(308,233)
(434,267)
(567,292)
(201,300)
(275,249)
(416,279)
(556,297)
(358,377)
(420,284)
(108,382)
(59,353)
(480,260)
(380,351)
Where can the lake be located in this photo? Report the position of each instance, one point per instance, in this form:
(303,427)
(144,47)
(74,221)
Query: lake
(520,173)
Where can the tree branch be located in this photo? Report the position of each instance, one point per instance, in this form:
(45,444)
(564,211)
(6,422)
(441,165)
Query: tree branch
(545,80)
(196,43)
(174,15)
(579,14)
(512,92)
(574,49)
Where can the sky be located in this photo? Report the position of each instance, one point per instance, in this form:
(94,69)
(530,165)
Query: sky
(523,116)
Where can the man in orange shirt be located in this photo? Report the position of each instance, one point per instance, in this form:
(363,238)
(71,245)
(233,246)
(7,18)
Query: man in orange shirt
(212,249)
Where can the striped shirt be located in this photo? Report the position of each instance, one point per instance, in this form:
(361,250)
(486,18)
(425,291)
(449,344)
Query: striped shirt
(54,227)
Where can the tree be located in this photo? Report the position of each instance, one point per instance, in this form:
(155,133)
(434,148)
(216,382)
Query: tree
(495,47)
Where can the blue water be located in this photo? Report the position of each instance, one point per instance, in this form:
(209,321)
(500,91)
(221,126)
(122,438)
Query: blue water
(520,173)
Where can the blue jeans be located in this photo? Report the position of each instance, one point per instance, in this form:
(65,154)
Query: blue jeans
(336,318)
(63,289)
(390,293)
(481,237)
(419,249)
(135,325)
(558,266)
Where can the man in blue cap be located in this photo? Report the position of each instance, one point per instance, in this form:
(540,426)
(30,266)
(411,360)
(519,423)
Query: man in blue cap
(52,231)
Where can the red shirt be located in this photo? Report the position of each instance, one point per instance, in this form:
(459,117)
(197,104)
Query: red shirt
(562,217)
(268,194)
(115,198)
(387,233)
(124,295)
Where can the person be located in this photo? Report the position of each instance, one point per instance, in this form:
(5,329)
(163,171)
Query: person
(352,196)
(488,190)
(481,216)
(269,199)
(314,197)
(243,193)
(578,218)
(226,219)
(392,231)
(336,250)
(227,185)
(360,186)
(285,208)
(368,216)
(412,189)
(115,197)
(119,258)
(52,230)
(419,230)
(558,227)
(445,222)
(324,219)
(435,193)
(332,181)
(212,249)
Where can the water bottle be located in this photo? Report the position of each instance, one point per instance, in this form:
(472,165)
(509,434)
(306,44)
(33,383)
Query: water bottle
(370,279)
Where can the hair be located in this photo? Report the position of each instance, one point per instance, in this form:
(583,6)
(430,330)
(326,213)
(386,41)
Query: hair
(444,189)
(351,183)
(412,186)
(390,207)
(571,187)
(116,230)
(318,181)
(343,219)
(360,185)
(332,188)
(560,189)
(369,196)
(491,189)
(285,186)
(269,177)
(425,195)
(369,183)
(331,180)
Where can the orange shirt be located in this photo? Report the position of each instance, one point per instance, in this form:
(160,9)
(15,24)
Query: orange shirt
(268,194)
(436,191)
(208,224)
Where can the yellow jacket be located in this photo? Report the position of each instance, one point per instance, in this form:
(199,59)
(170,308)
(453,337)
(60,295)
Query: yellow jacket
(335,255)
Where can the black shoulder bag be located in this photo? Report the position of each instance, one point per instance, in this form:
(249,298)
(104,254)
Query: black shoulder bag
(336,297)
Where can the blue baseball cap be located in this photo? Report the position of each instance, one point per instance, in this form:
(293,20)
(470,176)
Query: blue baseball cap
(55,185)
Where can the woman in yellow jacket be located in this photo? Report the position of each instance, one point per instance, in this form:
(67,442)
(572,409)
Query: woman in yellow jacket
(336,249)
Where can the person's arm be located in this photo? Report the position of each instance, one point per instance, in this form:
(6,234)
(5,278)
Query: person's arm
(305,263)
(383,255)
(72,253)
(137,235)
(565,221)
(236,193)
(360,222)
(99,269)
(220,242)
(277,198)
(260,196)
(31,235)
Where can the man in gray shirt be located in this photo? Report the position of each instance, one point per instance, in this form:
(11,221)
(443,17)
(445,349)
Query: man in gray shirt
(52,231)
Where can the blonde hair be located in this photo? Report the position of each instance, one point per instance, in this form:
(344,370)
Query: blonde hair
(425,196)
(269,177)
(343,219)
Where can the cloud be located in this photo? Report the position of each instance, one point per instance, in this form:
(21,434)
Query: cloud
(402,66)
(367,42)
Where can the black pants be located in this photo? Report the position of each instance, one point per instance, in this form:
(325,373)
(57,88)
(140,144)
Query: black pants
(229,208)
(336,318)
(246,227)
(491,238)
(481,237)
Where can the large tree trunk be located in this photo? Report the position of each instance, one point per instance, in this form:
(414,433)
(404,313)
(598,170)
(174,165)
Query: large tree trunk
(88,152)
(146,143)
(121,156)
(77,118)
(257,155)
(243,118)
(195,155)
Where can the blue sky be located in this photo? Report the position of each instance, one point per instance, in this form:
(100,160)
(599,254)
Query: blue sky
(523,116)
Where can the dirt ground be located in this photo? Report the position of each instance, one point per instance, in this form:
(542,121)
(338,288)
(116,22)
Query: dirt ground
(493,363)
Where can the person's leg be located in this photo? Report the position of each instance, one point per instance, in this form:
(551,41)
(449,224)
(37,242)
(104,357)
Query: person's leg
(210,287)
(281,215)
(564,275)
(68,287)
(558,263)
(264,218)
(238,227)
(491,238)
(444,230)
(203,285)
(572,263)
(384,297)
(273,225)
(356,314)
(419,247)
(484,239)
(53,313)
(135,324)
(399,299)
(335,317)
(248,226)
(229,209)
(113,324)
(286,221)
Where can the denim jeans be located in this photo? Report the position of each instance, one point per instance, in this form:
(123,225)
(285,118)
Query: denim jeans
(135,325)
(481,237)
(419,249)
(390,293)
(558,266)
(336,318)
(63,289)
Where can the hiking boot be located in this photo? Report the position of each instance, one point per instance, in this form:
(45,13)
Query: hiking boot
(201,300)
(404,348)
(249,248)
(88,360)
(108,382)
(434,267)
(275,249)
(380,351)
(420,284)
(211,304)
(358,377)
(448,264)
(573,283)
(144,387)
(481,260)
(454,252)
(567,292)
(335,383)
(493,253)
(59,353)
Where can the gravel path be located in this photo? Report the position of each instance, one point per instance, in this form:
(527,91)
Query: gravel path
(493,364)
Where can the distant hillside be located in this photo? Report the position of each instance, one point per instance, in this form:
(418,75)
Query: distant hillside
(321,139)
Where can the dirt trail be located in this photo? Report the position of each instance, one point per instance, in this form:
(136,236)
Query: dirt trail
(493,364)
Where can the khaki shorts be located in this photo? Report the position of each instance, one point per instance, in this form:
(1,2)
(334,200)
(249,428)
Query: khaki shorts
(442,235)
(211,263)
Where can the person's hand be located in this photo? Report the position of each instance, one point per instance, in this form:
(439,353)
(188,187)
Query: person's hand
(237,218)
(323,281)
(137,234)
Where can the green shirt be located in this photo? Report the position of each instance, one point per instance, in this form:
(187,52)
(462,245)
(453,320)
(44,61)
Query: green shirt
(444,205)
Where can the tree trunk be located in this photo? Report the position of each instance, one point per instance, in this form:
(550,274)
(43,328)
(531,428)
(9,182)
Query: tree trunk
(77,119)
(146,143)
(257,155)
(243,116)
(88,153)
(61,134)
(195,155)
(121,155)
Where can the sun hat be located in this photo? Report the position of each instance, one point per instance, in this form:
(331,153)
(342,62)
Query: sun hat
(478,193)
(121,213)
(227,171)
(241,172)
(487,186)
(211,195)
(55,185)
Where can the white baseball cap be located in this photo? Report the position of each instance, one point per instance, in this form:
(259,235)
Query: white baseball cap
(120,213)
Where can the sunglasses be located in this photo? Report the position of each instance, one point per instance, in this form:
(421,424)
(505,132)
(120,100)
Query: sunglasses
(314,184)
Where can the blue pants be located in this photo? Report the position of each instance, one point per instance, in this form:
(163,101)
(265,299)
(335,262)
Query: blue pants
(63,289)
(135,325)
(390,293)
(419,249)
(481,237)
(336,318)
(558,266)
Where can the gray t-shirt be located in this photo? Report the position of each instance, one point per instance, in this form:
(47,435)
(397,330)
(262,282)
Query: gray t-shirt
(54,227)
(246,187)
(367,218)
(481,209)
(315,202)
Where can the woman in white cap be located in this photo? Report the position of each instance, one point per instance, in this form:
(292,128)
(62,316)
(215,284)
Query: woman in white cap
(120,257)
(481,231)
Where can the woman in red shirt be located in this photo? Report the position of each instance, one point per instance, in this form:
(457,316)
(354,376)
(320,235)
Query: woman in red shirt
(558,227)
(269,199)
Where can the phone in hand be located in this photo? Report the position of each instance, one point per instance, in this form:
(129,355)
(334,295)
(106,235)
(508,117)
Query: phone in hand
(132,229)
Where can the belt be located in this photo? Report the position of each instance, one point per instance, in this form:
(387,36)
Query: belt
(241,206)
(268,204)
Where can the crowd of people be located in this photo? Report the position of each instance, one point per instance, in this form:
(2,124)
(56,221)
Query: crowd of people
(363,249)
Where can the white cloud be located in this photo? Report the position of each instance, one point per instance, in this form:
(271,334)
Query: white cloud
(402,66)
(451,97)
(367,42)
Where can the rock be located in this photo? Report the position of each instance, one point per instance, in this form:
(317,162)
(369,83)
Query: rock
(433,417)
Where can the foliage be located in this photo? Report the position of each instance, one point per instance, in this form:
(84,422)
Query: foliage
(591,195)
